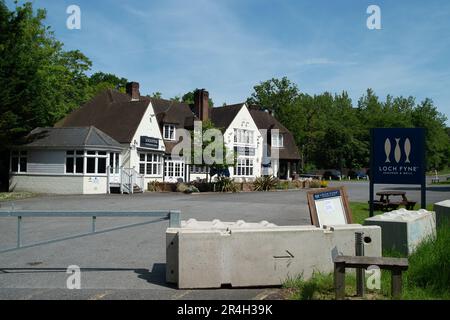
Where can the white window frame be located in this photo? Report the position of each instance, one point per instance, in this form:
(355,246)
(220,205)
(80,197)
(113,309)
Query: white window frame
(85,156)
(75,156)
(174,169)
(151,159)
(277,140)
(244,169)
(244,136)
(96,156)
(169,132)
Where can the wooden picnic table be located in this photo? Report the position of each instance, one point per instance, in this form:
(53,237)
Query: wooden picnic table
(385,202)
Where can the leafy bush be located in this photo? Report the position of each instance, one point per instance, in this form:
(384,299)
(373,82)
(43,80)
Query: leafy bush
(225,184)
(193,189)
(182,187)
(315,184)
(323,184)
(154,186)
(266,183)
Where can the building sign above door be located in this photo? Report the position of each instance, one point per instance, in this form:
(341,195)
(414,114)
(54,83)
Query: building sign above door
(150,143)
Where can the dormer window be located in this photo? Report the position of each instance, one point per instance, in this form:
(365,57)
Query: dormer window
(169,132)
(277,140)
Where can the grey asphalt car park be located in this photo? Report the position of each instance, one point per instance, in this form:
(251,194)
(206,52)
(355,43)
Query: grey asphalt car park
(130,263)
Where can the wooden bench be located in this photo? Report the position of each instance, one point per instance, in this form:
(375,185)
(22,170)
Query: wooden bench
(395,265)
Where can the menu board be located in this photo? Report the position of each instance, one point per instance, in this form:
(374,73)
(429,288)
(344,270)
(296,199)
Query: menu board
(329,207)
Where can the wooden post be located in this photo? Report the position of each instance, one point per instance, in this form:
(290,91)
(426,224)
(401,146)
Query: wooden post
(396,283)
(339,280)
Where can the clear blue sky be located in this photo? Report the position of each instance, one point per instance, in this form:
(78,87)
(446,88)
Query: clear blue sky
(228,46)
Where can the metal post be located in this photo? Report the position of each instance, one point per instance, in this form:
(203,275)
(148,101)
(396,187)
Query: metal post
(360,277)
(94,219)
(19,227)
(371,198)
(423,195)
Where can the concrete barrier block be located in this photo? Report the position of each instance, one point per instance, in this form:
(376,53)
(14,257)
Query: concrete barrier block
(240,254)
(404,230)
(442,210)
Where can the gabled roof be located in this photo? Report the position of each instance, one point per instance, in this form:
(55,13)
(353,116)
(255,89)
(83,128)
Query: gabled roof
(265,120)
(69,138)
(112,112)
(173,112)
(223,116)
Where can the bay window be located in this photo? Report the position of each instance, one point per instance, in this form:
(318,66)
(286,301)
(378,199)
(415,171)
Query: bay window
(96,162)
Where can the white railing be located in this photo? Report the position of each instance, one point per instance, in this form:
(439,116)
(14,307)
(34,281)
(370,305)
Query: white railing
(129,178)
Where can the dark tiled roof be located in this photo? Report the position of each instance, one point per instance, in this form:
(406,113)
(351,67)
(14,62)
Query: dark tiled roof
(265,120)
(173,112)
(223,116)
(68,137)
(112,112)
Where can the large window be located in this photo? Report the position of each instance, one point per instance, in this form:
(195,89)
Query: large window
(96,162)
(169,132)
(150,164)
(277,140)
(243,136)
(75,161)
(174,169)
(19,161)
(244,167)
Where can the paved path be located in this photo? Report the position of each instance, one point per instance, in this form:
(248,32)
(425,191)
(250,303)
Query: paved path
(130,263)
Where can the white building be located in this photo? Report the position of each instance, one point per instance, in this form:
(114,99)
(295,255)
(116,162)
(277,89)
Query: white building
(121,142)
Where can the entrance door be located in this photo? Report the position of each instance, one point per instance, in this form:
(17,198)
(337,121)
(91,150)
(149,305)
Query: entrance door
(114,167)
(174,170)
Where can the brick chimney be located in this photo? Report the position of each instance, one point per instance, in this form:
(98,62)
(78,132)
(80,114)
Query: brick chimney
(201,104)
(133,90)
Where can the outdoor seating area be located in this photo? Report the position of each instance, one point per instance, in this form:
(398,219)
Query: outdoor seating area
(385,203)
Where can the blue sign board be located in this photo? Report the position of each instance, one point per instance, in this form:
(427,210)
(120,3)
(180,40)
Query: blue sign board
(327,194)
(398,156)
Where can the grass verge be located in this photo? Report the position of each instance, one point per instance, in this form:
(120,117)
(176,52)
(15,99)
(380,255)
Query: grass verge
(11,196)
(428,276)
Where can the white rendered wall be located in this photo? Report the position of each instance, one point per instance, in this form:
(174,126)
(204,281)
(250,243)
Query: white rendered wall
(244,120)
(148,127)
(95,185)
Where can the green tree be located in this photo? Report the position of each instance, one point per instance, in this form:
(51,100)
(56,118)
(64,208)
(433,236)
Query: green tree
(274,94)
(100,81)
(426,115)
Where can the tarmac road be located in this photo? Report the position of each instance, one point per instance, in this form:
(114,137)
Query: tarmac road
(130,263)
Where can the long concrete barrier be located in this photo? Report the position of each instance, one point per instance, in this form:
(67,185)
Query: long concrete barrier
(240,254)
